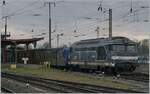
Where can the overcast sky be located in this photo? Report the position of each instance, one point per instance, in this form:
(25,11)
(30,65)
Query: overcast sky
(70,15)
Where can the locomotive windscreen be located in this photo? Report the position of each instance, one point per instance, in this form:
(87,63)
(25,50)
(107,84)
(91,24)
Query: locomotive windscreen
(126,48)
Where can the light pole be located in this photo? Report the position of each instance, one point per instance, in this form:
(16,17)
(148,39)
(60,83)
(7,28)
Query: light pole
(5,17)
(49,4)
(110,23)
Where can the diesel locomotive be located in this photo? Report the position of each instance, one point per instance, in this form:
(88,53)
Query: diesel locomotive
(116,54)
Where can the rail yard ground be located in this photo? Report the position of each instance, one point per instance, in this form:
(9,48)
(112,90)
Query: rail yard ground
(93,79)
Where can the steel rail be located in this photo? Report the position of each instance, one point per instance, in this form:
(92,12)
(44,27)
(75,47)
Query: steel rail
(136,77)
(6,90)
(59,87)
(67,86)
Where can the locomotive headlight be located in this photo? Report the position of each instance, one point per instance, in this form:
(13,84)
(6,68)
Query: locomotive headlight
(113,64)
(115,57)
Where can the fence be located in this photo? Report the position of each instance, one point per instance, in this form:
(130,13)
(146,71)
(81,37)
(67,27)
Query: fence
(38,56)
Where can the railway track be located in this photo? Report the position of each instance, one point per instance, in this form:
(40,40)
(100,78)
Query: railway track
(65,87)
(6,90)
(136,76)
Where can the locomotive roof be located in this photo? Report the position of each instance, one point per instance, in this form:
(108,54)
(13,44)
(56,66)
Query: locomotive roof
(101,42)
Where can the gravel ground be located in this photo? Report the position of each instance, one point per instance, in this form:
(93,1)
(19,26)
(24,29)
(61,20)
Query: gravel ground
(19,87)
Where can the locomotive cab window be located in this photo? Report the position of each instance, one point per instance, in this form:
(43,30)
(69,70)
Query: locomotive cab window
(118,48)
(131,48)
(122,47)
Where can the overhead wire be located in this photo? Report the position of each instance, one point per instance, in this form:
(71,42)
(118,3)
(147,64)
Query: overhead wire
(128,15)
(24,9)
(17,14)
(127,21)
(29,10)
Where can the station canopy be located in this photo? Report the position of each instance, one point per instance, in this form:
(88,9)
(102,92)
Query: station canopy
(20,41)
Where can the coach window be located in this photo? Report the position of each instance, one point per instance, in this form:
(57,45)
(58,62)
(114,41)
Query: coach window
(101,53)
